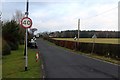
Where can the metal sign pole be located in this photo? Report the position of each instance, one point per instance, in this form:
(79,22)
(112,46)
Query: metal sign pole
(26,58)
(26,23)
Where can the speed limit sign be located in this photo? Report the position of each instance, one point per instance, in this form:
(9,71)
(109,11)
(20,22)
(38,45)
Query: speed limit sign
(26,22)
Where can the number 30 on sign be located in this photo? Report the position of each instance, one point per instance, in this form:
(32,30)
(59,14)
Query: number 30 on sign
(26,22)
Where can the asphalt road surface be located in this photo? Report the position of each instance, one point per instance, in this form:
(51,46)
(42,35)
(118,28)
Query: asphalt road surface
(61,63)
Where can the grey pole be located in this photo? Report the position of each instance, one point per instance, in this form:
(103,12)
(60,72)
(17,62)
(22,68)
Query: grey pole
(78,29)
(26,55)
(78,33)
(0,20)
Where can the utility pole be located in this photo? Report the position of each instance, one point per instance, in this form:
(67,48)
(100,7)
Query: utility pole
(0,23)
(78,29)
(78,34)
(0,18)
(0,15)
(26,55)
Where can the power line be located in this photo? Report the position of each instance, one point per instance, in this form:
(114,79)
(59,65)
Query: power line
(101,13)
(92,20)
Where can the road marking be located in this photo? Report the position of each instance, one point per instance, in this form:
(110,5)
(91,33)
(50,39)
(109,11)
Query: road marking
(42,66)
(43,77)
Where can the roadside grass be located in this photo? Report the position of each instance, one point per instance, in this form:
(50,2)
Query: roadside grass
(0,68)
(108,59)
(13,65)
(90,40)
(0,56)
(95,56)
(99,57)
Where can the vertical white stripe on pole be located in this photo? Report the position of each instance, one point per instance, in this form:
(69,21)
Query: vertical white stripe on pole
(26,61)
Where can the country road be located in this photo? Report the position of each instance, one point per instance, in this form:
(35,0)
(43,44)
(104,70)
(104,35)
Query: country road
(61,63)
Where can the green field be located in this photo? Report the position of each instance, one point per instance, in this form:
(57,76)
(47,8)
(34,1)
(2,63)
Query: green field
(97,40)
(13,65)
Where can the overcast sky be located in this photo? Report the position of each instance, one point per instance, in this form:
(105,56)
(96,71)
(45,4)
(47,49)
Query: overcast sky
(57,15)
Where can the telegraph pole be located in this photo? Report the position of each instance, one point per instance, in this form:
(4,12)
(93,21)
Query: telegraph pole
(78,33)
(26,55)
(78,29)
(0,19)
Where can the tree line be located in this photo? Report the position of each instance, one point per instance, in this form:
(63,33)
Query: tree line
(12,36)
(12,33)
(84,34)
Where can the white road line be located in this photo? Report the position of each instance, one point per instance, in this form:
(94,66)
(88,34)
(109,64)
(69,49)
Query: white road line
(43,71)
(43,77)
(42,66)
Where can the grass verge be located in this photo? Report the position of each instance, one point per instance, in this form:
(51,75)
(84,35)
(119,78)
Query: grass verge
(0,53)
(13,65)
(107,59)
(0,67)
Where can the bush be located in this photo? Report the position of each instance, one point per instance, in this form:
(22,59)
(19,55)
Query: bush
(11,34)
(13,46)
(5,48)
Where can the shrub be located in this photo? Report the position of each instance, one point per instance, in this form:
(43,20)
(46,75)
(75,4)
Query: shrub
(13,46)
(5,48)
(12,35)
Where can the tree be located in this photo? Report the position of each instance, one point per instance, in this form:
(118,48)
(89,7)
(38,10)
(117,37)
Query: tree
(0,22)
(10,33)
(5,48)
(17,17)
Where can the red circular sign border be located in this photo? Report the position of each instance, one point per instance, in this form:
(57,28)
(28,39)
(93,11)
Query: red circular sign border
(25,18)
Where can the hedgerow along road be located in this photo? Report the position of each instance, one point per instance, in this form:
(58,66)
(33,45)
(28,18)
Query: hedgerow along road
(61,63)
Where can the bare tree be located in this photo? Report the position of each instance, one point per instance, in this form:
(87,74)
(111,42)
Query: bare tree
(18,16)
(1,20)
(0,15)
